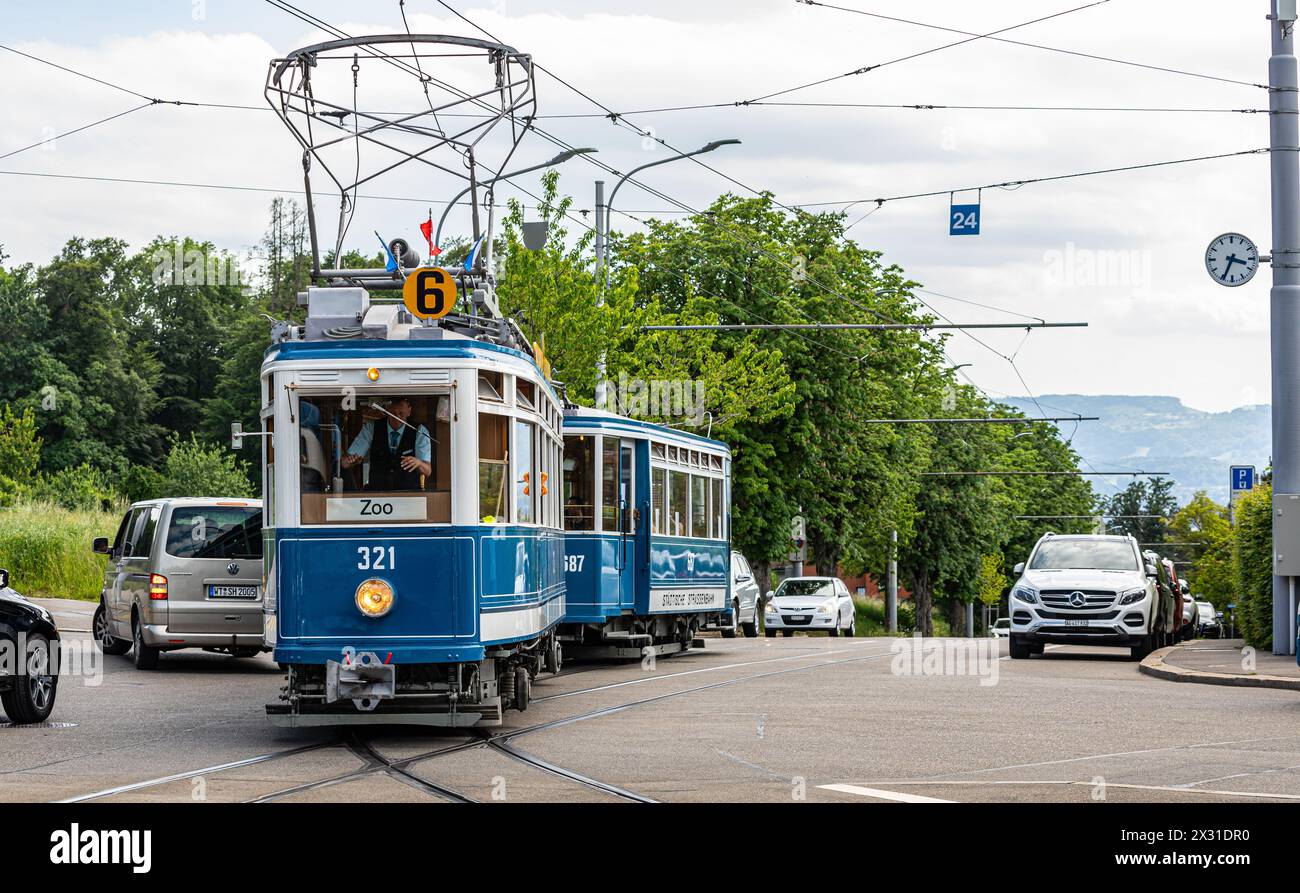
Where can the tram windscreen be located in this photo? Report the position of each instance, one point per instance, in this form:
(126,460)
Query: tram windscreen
(375,458)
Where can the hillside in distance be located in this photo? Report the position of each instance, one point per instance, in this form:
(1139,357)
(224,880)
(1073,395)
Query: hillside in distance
(1160,434)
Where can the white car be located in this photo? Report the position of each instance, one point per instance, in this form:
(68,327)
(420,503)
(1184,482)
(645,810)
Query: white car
(745,600)
(1089,590)
(1001,628)
(810,603)
(1188,629)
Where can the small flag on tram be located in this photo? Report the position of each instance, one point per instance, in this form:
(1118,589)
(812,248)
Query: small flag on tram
(473,253)
(427,229)
(392,265)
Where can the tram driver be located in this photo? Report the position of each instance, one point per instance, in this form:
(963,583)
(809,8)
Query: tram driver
(403,454)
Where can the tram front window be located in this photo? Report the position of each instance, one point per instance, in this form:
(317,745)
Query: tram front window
(382,458)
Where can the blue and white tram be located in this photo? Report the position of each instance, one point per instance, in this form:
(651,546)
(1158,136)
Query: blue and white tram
(414,563)
(647,531)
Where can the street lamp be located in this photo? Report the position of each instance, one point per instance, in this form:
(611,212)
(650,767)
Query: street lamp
(558,159)
(602,237)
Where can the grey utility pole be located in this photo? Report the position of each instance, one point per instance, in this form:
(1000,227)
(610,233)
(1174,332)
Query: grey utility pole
(600,293)
(891,585)
(1284,300)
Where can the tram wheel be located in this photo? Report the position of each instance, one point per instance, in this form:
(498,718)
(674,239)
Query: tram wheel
(553,657)
(521,689)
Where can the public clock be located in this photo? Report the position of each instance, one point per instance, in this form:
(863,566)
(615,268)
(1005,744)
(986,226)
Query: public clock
(1232,260)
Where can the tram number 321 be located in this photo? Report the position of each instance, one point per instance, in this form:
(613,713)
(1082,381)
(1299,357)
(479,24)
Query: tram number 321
(377,558)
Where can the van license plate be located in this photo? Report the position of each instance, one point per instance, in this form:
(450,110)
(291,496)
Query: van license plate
(232,592)
(1083,623)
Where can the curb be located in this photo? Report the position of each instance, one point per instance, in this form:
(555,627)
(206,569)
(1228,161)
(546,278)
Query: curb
(1154,665)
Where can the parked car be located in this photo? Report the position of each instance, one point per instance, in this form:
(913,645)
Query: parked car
(1189,612)
(745,599)
(29,681)
(183,573)
(810,603)
(1001,628)
(1207,620)
(1088,590)
(1176,590)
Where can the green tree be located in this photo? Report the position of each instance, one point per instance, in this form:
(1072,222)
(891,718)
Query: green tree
(1152,497)
(186,293)
(194,468)
(90,386)
(747,261)
(1253,561)
(1211,575)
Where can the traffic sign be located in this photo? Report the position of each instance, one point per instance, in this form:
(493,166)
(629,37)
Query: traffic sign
(964,220)
(429,292)
(1243,478)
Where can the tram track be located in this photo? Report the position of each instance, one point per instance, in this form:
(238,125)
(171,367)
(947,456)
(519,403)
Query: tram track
(502,743)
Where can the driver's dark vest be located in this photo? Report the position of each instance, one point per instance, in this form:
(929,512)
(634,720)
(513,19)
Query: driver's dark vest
(386,471)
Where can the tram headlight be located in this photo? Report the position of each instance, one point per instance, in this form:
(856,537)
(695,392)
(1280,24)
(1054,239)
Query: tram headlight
(372,373)
(374,598)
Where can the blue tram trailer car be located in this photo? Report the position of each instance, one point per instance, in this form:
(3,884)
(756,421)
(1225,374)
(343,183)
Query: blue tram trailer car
(647,524)
(414,560)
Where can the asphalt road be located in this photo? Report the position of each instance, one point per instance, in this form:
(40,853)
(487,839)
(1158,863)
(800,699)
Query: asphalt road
(749,720)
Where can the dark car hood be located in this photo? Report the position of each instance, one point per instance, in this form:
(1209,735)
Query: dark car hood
(12,603)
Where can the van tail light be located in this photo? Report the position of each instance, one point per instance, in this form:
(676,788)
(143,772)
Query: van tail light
(157,587)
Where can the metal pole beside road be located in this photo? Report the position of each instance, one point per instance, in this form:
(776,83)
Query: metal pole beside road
(891,586)
(1284,301)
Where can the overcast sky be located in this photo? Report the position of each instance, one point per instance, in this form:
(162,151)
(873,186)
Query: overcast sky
(1122,252)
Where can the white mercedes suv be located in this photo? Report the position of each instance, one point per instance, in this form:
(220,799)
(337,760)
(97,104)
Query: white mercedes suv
(1085,590)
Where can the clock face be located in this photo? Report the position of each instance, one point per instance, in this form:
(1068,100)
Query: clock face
(1232,259)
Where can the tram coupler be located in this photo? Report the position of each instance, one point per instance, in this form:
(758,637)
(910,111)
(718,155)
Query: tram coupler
(364,680)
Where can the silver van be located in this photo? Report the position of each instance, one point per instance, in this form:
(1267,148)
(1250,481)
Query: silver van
(183,573)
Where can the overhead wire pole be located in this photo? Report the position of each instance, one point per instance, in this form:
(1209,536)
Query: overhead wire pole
(1284,300)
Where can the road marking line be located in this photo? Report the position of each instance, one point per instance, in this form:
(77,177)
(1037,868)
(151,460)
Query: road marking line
(122,789)
(894,796)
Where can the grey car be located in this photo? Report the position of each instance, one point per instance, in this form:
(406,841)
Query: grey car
(183,573)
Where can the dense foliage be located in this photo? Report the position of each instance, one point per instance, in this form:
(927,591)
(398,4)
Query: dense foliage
(134,365)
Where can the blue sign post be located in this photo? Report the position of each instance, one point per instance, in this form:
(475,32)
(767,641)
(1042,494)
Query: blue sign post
(1243,478)
(964,220)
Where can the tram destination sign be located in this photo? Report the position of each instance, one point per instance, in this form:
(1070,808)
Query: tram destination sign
(429,293)
(687,599)
(372,508)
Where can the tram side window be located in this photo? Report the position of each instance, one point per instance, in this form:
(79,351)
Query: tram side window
(699,506)
(579,483)
(658,507)
(678,502)
(609,483)
(717,529)
(493,451)
(525,474)
(355,448)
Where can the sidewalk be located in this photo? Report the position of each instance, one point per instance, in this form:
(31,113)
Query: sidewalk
(1221,662)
